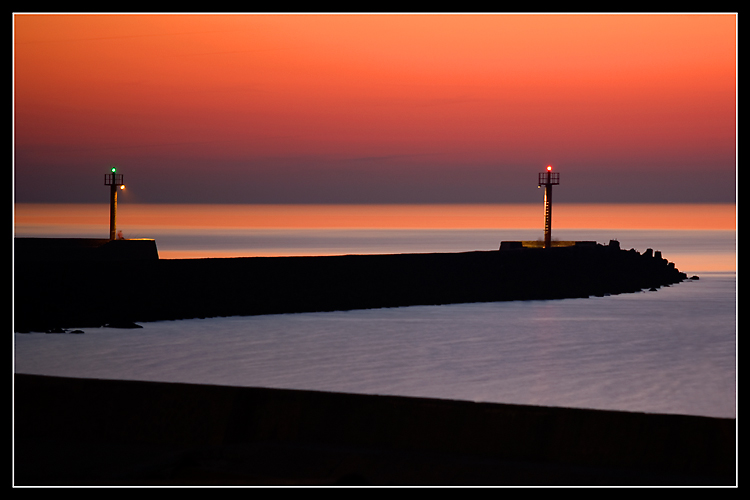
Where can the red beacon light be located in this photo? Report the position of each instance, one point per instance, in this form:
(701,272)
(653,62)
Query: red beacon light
(549,168)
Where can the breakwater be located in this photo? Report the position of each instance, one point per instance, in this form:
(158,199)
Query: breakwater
(87,293)
(71,431)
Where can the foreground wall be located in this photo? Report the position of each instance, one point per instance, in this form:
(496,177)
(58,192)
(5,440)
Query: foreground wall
(95,432)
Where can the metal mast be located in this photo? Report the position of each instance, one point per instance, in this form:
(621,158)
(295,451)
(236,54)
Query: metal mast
(115,181)
(548,179)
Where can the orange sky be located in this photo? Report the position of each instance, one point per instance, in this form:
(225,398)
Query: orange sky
(28,217)
(375,108)
(198,227)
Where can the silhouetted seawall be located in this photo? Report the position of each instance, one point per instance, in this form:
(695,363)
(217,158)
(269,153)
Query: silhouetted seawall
(111,432)
(81,293)
(32,250)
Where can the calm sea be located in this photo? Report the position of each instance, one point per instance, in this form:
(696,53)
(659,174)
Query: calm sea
(666,351)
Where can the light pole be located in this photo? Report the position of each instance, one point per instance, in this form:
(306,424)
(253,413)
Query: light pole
(115,181)
(548,179)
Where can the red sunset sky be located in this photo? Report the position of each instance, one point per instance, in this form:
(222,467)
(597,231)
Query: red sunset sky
(375,108)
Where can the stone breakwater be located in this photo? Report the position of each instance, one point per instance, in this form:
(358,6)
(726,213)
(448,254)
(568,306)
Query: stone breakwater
(80,293)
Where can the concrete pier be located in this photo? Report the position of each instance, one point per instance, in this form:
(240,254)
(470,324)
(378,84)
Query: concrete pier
(80,293)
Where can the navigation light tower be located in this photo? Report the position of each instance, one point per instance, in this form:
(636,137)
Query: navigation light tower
(115,181)
(548,179)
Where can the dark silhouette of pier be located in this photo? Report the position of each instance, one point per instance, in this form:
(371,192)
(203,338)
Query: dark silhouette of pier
(76,282)
(85,292)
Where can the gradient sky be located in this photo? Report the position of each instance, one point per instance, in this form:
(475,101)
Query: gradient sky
(375,108)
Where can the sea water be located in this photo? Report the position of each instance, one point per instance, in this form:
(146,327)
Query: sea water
(667,351)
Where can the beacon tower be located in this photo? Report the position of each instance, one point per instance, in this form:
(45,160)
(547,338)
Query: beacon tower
(547,179)
(115,181)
